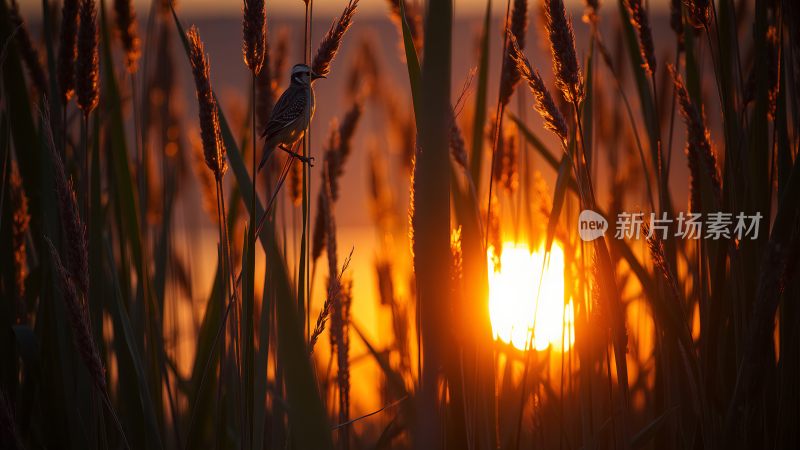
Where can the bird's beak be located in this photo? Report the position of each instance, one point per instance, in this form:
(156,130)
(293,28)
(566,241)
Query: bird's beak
(315,76)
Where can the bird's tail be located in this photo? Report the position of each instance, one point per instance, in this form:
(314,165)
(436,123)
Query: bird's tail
(268,150)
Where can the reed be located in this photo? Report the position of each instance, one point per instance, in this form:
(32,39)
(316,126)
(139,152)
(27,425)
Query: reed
(128,32)
(665,341)
(553,119)
(338,148)
(329,47)
(87,62)
(254,30)
(699,152)
(509,77)
(67,49)
(74,230)
(78,318)
(20,225)
(213,146)
(569,79)
(697,12)
(640,20)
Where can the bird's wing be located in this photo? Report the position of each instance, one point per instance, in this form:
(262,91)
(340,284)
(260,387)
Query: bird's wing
(290,107)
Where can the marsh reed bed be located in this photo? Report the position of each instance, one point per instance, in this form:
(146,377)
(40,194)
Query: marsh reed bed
(112,338)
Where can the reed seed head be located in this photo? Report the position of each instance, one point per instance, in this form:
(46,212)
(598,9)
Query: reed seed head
(641,22)
(702,160)
(591,11)
(67,49)
(20,221)
(658,254)
(340,144)
(254,29)
(364,78)
(697,11)
(329,47)
(413,18)
(553,119)
(770,60)
(213,146)
(71,224)
(562,44)
(458,149)
(87,62)
(78,317)
(517,27)
(128,34)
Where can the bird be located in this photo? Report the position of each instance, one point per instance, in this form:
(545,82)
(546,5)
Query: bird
(291,114)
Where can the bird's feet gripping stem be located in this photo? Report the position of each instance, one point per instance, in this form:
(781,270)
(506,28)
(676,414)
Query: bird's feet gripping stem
(305,159)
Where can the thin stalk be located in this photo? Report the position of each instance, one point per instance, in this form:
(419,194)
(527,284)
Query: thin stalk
(308,191)
(85,155)
(230,299)
(302,269)
(138,151)
(64,130)
(498,125)
(672,117)
(255,139)
(662,183)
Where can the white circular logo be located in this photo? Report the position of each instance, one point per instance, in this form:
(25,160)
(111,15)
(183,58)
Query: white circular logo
(591,225)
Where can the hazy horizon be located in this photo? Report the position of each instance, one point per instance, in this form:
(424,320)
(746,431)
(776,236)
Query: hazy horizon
(291,8)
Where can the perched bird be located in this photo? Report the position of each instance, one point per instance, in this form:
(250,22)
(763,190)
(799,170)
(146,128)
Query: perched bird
(292,113)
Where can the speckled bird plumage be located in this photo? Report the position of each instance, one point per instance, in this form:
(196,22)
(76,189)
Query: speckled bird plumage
(292,112)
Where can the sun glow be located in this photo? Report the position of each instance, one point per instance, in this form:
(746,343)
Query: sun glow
(513,287)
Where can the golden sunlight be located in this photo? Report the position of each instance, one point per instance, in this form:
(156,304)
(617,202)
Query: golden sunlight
(513,288)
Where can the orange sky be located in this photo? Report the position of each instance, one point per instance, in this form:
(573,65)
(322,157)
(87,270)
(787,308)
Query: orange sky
(32,8)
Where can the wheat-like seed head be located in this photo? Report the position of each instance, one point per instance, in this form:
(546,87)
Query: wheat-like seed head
(640,21)
(329,47)
(126,28)
(213,146)
(590,14)
(413,19)
(562,44)
(517,27)
(71,223)
(657,253)
(20,220)
(553,119)
(702,161)
(458,149)
(697,11)
(67,50)
(254,29)
(88,60)
(78,318)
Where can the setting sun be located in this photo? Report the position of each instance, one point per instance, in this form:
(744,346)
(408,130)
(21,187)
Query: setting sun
(513,287)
